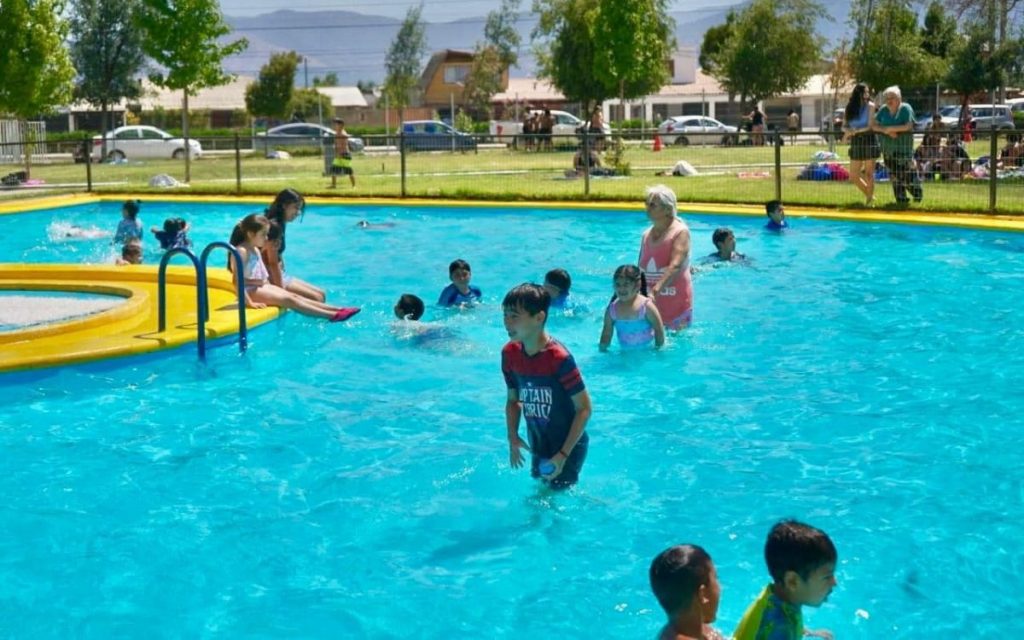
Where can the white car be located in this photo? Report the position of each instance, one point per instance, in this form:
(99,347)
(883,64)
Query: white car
(684,130)
(140,141)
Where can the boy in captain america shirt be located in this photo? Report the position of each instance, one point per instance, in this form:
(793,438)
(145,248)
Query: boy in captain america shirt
(546,388)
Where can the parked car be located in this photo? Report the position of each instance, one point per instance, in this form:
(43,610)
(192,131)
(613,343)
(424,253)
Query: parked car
(988,115)
(141,141)
(434,135)
(302,134)
(684,130)
(566,124)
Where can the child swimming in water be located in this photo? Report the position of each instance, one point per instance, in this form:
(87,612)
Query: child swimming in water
(631,314)
(459,293)
(684,580)
(777,216)
(130,227)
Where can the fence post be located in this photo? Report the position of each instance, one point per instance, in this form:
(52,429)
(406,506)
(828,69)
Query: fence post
(778,166)
(238,165)
(586,160)
(401,154)
(993,154)
(87,154)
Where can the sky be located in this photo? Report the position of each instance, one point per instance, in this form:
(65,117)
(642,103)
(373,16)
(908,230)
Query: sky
(433,10)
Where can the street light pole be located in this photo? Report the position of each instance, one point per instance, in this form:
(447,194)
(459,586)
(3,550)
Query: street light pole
(451,112)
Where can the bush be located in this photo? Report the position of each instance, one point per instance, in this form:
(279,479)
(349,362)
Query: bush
(1018,119)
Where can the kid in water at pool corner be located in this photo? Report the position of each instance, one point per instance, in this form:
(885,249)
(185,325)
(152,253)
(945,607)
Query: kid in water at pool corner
(557,283)
(131,253)
(459,293)
(546,388)
(776,214)
(685,582)
(802,562)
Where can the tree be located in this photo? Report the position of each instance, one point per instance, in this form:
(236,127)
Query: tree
(639,41)
(974,67)
(330,79)
(939,33)
(182,37)
(772,48)
(592,50)
(498,52)
(106,50)
(888,48)
(403,60)
(714,40)
(270,94)
(366,86)
(36,74)
(308,105)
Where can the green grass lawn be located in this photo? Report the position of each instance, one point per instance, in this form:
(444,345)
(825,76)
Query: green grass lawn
(728,175)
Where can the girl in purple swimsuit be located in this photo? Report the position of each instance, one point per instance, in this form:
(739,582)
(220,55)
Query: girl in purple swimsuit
(632,315)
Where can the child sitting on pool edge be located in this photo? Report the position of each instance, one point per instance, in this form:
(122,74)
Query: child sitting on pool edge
(546,388)
(248,237)
(684,580)
(802,564)
(459,293)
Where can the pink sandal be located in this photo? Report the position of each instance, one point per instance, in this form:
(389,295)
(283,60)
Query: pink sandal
(344,314)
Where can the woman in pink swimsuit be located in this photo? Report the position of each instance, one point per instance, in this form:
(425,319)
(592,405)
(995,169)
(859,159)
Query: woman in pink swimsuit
(665,258)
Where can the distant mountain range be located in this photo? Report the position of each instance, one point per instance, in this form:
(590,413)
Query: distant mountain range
(354,45)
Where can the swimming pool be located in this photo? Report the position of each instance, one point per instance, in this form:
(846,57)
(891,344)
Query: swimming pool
(337,482)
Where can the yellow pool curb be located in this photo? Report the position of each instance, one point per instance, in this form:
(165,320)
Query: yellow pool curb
(126,329)
(959,220)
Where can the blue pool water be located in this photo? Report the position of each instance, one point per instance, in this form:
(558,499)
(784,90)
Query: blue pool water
(338,482)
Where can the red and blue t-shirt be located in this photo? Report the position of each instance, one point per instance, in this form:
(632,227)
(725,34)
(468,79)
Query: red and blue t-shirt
(545,383)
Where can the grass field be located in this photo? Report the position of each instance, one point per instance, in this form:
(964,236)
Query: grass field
(741,174)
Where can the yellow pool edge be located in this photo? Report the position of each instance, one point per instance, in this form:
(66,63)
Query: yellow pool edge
(980,221)
(126,330)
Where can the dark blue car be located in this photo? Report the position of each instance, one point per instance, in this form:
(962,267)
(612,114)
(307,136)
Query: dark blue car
(432,135)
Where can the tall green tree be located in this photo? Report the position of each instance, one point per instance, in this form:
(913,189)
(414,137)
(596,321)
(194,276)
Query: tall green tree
(268,96)
(404,59)
(638,43)
(938,35)
(106,50)
(974,66)
(498,51)
(772,48)
(592,50)
(309,105)
(36,74)
(183,38)
(714,41)
(888,48)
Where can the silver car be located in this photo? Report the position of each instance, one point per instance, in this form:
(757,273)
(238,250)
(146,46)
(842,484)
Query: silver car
(141,141)
(302,134)
(684,130)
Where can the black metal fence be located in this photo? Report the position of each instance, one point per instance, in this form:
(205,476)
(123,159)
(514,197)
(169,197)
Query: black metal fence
(957,171)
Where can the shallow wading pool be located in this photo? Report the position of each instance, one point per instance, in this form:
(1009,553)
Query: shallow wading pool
(339,481)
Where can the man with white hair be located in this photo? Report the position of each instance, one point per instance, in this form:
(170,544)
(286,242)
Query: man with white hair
(895,123)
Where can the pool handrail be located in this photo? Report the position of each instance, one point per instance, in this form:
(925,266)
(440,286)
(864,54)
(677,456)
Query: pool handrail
(200,297)
(243,339)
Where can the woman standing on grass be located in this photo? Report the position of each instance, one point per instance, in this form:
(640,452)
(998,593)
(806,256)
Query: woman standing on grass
(858,120)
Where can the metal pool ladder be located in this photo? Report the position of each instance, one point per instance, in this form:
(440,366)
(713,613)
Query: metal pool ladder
(202,294)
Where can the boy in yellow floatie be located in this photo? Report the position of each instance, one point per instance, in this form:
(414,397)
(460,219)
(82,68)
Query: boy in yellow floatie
(802,563)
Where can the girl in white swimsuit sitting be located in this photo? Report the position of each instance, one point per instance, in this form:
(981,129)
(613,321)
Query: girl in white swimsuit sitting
(248,237)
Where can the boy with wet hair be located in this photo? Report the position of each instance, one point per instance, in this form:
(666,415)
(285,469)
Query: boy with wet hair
(684,580)
(131,253)
(776,214)
(725,246)
(459,293)
(802,562)
(546,388)
(409,307)
(557,283)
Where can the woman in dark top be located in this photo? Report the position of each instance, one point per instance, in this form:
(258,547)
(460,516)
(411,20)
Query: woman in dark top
(286,207)
(858,119)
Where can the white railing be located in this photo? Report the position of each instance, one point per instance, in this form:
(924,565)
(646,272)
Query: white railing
(13,137)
